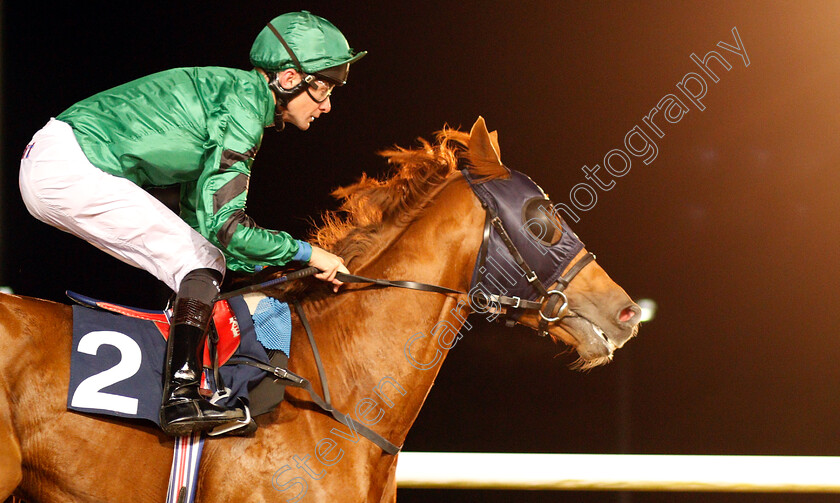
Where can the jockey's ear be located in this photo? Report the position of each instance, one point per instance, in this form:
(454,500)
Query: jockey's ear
(484,146)
(288,78)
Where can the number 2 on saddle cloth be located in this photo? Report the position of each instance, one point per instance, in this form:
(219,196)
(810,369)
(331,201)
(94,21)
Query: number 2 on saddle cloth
(118,351)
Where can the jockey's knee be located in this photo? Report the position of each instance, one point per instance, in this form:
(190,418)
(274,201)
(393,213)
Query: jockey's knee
(201,284)
(31,193)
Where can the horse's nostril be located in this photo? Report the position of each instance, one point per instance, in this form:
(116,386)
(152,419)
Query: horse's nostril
(628,313)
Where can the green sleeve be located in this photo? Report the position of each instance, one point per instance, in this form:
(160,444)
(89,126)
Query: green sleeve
(219,198)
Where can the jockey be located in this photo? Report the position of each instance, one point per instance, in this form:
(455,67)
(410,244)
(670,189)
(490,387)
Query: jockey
(84,172)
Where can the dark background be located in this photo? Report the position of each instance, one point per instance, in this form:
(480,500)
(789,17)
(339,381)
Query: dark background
(731,230)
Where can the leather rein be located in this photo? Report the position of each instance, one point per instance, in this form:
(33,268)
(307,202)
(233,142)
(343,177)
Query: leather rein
(546,305)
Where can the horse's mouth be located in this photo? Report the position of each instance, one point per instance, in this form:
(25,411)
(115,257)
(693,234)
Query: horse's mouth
(600,332)
(592,344)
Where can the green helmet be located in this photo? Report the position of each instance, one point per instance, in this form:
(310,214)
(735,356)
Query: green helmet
(307,43)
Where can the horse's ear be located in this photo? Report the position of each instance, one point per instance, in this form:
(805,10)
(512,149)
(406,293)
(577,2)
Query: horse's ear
(494,139)
(484,146)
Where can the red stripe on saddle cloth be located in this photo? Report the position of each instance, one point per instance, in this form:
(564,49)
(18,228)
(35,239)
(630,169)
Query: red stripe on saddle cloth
(223,318)
(159,319)
(228,329)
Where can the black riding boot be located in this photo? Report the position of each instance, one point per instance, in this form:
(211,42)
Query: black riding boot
(183,409)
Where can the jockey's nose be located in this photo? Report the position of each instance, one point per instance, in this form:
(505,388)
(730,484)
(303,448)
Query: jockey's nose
(629,316)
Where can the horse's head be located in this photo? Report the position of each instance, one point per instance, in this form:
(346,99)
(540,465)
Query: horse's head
(533,270)
(530,269)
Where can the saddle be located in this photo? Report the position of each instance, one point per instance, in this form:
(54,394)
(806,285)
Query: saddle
(248,334)
(255,374)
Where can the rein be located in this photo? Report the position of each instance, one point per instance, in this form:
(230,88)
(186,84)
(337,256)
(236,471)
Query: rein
(546,305)
(301,382)
(324,403)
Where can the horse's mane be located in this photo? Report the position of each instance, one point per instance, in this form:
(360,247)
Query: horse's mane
(371,204)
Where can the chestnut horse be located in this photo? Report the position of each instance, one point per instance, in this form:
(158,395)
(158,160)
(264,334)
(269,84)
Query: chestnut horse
(424,224)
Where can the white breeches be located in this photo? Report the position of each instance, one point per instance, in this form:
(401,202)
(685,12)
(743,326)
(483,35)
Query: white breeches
(62,188)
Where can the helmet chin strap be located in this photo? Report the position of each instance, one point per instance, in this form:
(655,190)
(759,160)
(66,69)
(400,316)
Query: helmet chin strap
(283,96)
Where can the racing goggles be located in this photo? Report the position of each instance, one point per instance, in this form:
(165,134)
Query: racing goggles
(317,89)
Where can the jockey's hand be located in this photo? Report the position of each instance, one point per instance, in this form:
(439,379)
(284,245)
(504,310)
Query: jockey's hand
(329,265)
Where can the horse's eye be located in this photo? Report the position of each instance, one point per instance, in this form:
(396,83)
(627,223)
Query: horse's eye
(541,222)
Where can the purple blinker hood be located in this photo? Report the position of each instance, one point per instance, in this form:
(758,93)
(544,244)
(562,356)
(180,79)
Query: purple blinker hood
(540,235)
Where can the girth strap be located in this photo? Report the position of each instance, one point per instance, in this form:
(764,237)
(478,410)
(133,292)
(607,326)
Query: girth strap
(324,403)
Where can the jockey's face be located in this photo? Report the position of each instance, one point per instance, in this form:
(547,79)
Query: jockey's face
(302,109)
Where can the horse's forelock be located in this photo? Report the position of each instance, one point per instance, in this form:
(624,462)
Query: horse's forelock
(480,169)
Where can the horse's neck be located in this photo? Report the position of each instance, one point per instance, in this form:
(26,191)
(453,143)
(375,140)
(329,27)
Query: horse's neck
(388,344)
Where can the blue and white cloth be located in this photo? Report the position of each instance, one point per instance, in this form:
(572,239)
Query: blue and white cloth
(273,324)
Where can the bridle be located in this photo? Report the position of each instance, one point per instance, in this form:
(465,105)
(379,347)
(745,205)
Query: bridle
(552,305)
(547,304)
